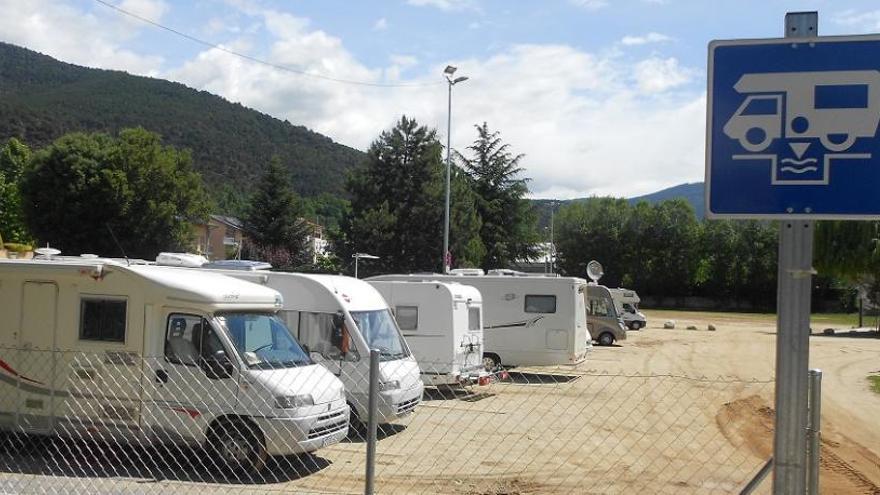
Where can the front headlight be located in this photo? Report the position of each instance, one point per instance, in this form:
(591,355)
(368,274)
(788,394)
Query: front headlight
(341,394)
(390,385)
(291,401)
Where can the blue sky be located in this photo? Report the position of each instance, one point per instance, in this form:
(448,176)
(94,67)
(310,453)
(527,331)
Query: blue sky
(603,96)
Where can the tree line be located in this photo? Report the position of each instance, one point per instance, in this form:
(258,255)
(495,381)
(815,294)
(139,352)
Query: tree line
(130,194)
(662,249)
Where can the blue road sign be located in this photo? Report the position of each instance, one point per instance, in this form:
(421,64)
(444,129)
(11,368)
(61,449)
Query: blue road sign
(791,129)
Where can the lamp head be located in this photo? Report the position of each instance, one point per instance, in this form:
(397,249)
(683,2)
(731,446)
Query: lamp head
(450,70)
(459,79)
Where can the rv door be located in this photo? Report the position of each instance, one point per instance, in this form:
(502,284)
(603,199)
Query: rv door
(35,363)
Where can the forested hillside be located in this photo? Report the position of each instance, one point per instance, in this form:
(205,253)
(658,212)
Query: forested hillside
(41,99)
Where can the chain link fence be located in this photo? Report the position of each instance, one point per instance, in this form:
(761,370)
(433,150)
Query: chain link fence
(116,422)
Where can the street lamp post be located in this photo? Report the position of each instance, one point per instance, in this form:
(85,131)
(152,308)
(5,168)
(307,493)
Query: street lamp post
(357,257)
(448,72)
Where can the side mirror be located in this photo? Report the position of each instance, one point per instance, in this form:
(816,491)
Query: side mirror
(218,366)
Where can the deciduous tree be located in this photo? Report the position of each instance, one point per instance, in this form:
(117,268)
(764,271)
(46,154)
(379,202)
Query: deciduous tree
(84,185)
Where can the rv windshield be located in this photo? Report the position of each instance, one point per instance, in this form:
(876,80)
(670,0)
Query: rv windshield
(263,341)
(380,332)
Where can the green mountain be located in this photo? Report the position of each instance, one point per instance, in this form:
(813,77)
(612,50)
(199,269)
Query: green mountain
(42,98)
(692,192)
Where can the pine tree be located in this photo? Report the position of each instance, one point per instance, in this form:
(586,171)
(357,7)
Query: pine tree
(508,229)
(397,202)
(276,230)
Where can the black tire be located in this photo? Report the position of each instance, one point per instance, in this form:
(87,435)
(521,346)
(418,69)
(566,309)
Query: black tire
(606,339)
(356,427)
(238,446)
(635,325)
(491,362)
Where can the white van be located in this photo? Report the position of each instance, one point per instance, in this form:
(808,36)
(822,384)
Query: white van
(443,325)
(527,320)
(338,320)
(94,348)
(627,303)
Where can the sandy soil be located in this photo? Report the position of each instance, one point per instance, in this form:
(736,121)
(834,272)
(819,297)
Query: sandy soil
(666,411)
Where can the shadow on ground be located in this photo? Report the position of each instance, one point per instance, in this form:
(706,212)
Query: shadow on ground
(55,456)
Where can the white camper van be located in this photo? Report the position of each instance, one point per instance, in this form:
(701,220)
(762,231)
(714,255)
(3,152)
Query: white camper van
(95,348)
(527,320)
(443,325)
(627,303)
(338,320)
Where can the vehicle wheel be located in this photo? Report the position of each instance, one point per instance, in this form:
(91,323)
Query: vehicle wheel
(356,427)
(239,447)
(491,362)
(606,339)
(635,325)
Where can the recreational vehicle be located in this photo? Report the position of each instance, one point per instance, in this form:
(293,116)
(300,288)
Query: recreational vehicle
(443,325)
(527,320)
(627,303)
(95,348)
(338,320)
(603,321)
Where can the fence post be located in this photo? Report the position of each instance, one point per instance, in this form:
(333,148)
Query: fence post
(814,431)
(759,477)
(372,406)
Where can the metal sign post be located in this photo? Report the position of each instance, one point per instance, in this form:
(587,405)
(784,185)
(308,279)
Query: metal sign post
(793,329)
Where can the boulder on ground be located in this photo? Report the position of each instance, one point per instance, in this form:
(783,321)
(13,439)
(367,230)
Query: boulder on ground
(669,324)
(691,327)
(828,331)
(711,327)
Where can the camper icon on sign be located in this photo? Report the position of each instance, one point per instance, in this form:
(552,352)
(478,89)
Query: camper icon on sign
(834,107)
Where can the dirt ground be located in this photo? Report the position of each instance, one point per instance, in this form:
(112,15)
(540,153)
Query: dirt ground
(666,411)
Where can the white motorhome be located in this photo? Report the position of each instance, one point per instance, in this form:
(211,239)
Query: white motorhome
(338,320)
(627,303)
(527,320)
(443,325)
(95,348)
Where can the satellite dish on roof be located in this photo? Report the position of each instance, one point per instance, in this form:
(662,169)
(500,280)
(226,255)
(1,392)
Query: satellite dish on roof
(595,271)
(47,252)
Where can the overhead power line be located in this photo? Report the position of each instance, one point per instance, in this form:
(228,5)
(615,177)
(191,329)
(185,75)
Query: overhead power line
(280,67)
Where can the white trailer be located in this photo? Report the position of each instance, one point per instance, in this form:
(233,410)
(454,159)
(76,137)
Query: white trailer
(527,320)
(338,320)
(627,303)
(443,325)
(98,349)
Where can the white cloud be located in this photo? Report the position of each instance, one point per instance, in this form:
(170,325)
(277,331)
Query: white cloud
(655,75)
(651,37)
(56,29)
(447,5)
(380,25)
(861,21)
(148,9)
(589,4)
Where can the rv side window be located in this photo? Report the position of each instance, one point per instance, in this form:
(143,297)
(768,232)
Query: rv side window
(189,337)
(473,318)
(407,317)
(102,320)
(540,304)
